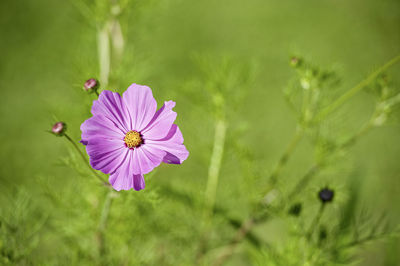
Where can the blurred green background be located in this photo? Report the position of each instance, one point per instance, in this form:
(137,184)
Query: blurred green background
(48,49)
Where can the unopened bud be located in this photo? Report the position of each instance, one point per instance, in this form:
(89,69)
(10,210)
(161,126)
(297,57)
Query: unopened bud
(91,85)
(326,195)
(59,128)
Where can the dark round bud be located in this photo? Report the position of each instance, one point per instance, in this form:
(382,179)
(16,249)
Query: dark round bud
(326,195)
(295,61)
(91,85)
(295,209)
(59,128)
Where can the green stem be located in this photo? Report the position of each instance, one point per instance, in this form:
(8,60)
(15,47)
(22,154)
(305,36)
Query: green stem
(86,161)
(286,155)
(103,223)
(350,93)
(315,222)
(212,183)
(103,40)
(215,164)
(303,182)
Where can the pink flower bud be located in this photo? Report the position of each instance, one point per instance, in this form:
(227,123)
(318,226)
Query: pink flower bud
(91,85)
(59,128)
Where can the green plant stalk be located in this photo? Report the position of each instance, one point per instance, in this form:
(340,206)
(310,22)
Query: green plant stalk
(86,161)
(286,155)
(212,181)
(312,171)
(315,222)
(103,223)
(215,164)
(103,42)
(350,93)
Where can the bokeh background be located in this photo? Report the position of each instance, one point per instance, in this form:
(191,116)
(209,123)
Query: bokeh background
(51,203)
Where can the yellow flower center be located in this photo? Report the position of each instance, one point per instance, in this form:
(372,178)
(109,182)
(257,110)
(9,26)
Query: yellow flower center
(133,139)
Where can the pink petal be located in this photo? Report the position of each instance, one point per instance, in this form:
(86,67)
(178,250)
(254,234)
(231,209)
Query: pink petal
(141,105)
(111,106)
(161,123)
(172,144)
(100,126)
(124,179)
(146,158)
(106,155)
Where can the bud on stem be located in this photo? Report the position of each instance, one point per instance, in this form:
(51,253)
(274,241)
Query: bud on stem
(326,195)
(91,85)
(59,129)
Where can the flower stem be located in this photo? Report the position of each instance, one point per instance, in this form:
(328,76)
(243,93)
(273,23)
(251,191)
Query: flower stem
(286,155)
(350,93)
(103,223)
(103,40)
(315,222)
(86,161)
(215,164)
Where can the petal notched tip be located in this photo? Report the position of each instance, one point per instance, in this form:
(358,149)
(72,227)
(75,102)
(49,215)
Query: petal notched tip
(172,144)
(135,182)
(138,182)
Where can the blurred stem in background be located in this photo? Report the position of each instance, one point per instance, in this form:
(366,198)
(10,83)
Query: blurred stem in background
(350,93)
(213,172)
(103,40)
(110,32)
(215,164)
(315,222)
(103,225)
(286,155)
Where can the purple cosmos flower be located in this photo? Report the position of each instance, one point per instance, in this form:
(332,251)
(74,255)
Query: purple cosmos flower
(127,136)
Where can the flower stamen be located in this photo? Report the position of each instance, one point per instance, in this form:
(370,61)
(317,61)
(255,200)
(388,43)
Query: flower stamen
(133,139)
